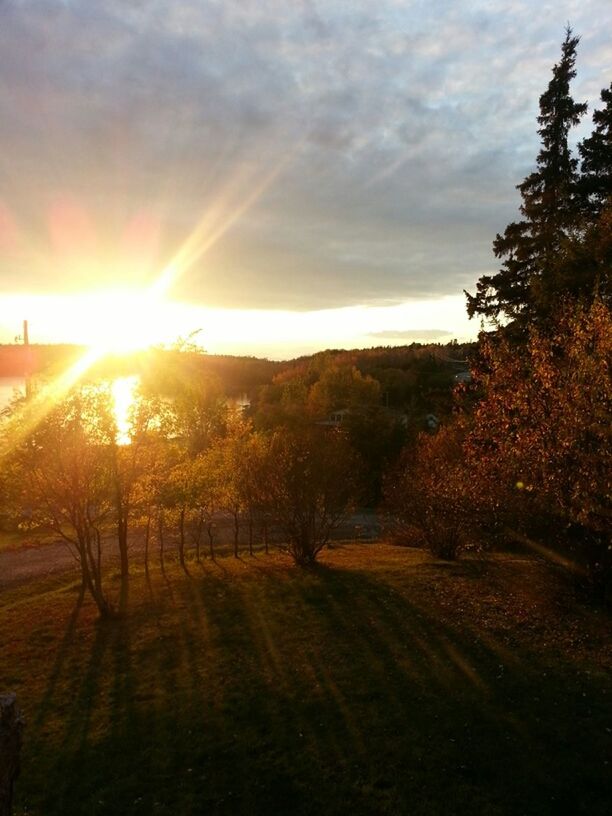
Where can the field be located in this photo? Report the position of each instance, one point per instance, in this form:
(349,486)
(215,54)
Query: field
(381,682)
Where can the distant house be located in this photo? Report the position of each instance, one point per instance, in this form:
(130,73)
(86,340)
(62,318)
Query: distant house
(240,405)
(463,377)
(432,422)
(338,417)
(335,419)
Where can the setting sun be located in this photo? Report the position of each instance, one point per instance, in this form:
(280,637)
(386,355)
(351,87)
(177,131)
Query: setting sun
(129,320)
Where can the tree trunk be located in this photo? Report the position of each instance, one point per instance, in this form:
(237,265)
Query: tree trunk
(11,729)
(182,537)
(199,534)
(125,565)
(211,543)
(160,534)
(146,544)
(236,534)
(93,584)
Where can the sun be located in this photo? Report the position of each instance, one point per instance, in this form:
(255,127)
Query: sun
(128,321)
(131,319)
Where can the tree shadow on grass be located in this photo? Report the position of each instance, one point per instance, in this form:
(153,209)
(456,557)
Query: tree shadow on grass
(58,663)
(327,691)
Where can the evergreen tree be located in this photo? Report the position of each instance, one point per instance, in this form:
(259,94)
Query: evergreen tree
(527,282)
(596,160)
(586,267)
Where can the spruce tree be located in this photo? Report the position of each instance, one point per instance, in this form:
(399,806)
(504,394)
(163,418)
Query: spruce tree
(589,265)
(596,160)
(523,289)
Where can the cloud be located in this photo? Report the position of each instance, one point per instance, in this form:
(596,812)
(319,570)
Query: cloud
(410,334)
(401,130)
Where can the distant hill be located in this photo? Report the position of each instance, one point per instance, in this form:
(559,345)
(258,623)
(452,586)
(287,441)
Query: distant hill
(391,365)
(19,360)
(236,374)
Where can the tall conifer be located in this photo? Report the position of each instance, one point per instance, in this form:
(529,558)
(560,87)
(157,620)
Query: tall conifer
(596,160)
(525,285)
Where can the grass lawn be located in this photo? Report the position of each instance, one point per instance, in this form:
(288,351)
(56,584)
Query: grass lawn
(381,682)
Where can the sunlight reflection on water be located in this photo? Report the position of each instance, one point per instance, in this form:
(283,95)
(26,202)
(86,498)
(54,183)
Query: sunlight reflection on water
(123,390)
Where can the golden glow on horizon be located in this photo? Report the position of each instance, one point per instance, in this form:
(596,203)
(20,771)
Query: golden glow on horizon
(118,312)
(121,322)
(126,318)
(113,321)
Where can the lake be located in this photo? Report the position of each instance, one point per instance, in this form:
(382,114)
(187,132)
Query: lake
(122,389)
(8,387)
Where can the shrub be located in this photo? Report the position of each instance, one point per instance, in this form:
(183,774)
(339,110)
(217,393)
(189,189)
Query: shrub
(428,494)
(313,478)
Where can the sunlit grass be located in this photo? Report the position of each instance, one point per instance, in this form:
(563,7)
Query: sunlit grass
(382,682)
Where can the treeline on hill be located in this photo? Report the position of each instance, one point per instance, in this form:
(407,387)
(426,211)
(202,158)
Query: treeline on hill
(237,375)
(528,455)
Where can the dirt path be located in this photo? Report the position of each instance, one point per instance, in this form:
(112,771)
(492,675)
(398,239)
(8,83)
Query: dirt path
(17,566)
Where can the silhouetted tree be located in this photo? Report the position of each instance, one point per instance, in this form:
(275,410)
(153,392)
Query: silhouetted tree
(596,160)
(314,479)
(588,265)
(208,476)
(526,286)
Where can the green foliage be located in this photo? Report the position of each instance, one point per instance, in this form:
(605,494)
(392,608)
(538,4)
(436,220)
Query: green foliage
(342,387)
(378,437)
(197,410)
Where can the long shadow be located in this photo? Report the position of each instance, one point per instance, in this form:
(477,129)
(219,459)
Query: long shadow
(329,692)
(62,652)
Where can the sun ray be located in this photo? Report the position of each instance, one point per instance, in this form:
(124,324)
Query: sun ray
(131,313)
(31,412)
(230,205)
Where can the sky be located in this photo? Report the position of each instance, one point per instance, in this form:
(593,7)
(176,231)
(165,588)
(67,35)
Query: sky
(298,175)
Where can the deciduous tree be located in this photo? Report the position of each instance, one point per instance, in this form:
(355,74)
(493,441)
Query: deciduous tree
(314,478)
